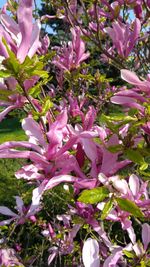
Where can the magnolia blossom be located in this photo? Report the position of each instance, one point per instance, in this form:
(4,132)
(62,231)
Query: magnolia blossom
(123,37)
(134,190)
(133,79)
(91,257)
(135,97)
(22,37)
(65,244)
(141,86)
(9,258)
(71,55)
(141,249)
(51,156)
(24,213)
(13,100)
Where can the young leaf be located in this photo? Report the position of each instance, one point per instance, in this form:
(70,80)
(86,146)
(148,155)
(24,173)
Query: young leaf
(12,62)
(143,264)
(129,206)
(94,195)
(129,254)
(5,73)
(116,148)
(136,157)
(47,105)
(107,208)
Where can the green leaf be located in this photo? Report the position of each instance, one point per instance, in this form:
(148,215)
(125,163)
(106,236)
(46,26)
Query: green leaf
(42,73)
(115,148)
(133,111)
(129,206)
(120,117)
(129,254)
(94,195)
(47,105)
(136,157)
(12,63)
(143,264)
(35,90)
(105,119)
(4,94)
(144,166)
(107,208)
(5,73)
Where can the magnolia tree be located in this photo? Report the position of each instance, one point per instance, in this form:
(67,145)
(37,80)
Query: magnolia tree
(87,133)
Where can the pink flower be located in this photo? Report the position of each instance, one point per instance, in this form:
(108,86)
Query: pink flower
(71,56)
(123,37)
(134,189)
(9,258)
(24,213)
(133,79)
(139,248)
(129,98)
(65,244)
(14,101)
(23,38)
(112,260)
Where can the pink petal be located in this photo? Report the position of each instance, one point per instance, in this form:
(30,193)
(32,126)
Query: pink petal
(5,222)
(33,131)
(16,144)
(10,24)
(132,78)
(74,231)
(29,172)
(90,149)
(121,186)
(3,50)
(20,204)
(112,260)
(134,184)
(134,35)
(146,235)
(36,197)
(47,17)
(55,134)
(59,179)
(90,253)
(6,211)
(138,249)
(34,45)
(24,15)
(11,153)
(6,111)
(121,100)
(53,253)
(131,234)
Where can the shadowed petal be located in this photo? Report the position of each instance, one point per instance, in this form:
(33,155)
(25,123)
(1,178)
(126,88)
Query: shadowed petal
(146,235)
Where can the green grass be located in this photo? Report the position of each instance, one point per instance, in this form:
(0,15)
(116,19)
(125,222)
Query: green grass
(9,185)
(10,130)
